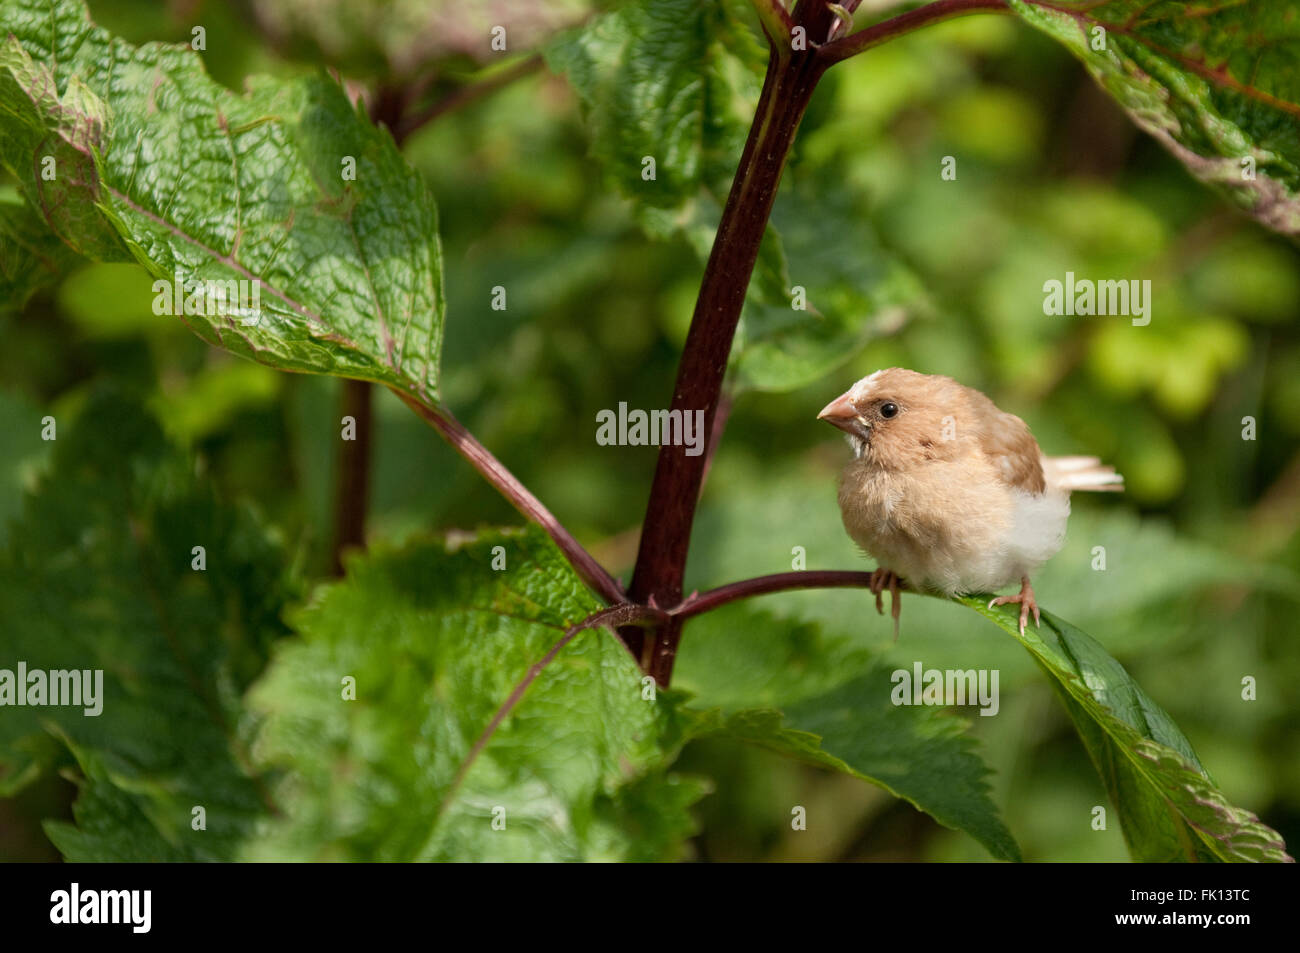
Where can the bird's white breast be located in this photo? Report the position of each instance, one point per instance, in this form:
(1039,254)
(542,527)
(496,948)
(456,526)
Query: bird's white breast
(1037,531)
(952,528)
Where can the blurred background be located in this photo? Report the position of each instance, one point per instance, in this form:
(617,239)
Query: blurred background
(1202,553)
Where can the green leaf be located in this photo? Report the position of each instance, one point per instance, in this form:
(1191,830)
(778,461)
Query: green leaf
(854,290)
(676,81)
(1169,806)
(1215,84)
(31,256)
(98,575)
(789,688)
(157,161)
(672,80)
(50,145)
(437,640)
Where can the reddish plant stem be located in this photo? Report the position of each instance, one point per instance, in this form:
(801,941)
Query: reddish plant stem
(492,470)
(776,23)
(817,18)
(878,33)
(353,487)
(699,603)
(665,539)
(466,94)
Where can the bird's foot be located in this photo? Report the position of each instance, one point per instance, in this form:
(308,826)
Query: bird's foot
(882,579)
(1027,603)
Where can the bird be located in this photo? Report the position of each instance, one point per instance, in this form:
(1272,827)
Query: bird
(949,493)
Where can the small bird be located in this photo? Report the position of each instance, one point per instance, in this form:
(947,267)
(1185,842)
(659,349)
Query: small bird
(950,493)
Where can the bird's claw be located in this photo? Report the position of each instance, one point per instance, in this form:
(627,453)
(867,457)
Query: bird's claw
(1025,598)
(882,579)
(879,580)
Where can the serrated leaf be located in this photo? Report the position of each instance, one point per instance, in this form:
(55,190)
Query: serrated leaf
(675,82)
(787,687)
(1215,83)
(189,178)
(1169,806)
(437,641)
(672,80)
(97,575)
(48,134)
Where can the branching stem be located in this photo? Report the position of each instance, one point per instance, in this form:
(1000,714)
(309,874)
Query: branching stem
(791,79)
(940,10)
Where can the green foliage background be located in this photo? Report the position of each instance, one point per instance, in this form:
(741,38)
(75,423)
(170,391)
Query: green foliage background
(1202,553)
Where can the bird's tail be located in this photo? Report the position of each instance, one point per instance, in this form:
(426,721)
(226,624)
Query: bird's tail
(1082,473)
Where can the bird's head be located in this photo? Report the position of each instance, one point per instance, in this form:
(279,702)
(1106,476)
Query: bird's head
(896,417)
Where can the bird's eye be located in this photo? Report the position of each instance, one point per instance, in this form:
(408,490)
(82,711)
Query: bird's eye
(888,409)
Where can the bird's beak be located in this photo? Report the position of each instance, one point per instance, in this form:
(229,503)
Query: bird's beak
(841,413)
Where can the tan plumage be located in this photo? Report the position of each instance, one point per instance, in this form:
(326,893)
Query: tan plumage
(949,492)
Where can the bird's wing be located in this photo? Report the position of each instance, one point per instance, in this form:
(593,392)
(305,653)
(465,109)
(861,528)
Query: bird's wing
(1007,442)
